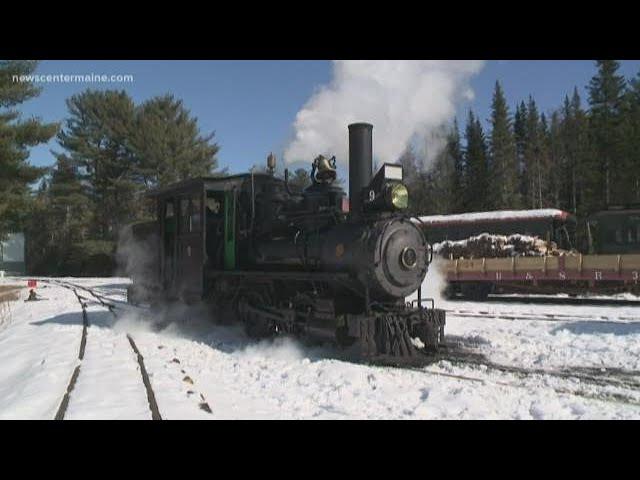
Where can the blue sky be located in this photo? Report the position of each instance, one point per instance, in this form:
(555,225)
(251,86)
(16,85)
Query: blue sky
(251,105)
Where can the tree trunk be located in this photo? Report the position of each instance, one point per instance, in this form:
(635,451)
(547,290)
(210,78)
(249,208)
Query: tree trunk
(574,205)
(607,197)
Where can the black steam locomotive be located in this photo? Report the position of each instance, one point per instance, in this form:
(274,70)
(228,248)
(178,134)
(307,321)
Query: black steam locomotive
(311,263)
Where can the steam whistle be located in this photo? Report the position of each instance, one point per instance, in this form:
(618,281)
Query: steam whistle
(271,163)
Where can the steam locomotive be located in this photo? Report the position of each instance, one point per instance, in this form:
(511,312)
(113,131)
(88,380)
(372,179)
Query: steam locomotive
(310,262)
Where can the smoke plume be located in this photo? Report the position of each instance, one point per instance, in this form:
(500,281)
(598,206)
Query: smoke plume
(401,98)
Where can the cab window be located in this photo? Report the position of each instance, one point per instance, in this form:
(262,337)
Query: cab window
(619,236)
(185,219)
(196,211)
(169,216)
(168,209)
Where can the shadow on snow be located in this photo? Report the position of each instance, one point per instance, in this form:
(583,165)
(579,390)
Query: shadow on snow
(599,328)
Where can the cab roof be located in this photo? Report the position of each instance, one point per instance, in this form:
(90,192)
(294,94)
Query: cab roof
(208,182)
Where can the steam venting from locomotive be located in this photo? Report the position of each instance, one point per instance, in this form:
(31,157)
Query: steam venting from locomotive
(402,98)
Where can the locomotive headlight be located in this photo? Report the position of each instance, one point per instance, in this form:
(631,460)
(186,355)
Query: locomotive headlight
(409,258)
(399,196)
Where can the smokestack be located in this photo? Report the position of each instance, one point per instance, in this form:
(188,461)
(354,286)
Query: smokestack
(360,163)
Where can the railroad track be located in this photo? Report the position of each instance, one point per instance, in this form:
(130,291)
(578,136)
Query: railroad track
(62,409)
(112,308)
(64,404)
(625,383)
(544,317)
(553,300)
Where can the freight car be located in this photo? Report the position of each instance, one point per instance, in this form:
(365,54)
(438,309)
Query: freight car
(309,262)
(614,231)
(608,259)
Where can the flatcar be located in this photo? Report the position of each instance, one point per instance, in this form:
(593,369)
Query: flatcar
(312,263)
(605,259)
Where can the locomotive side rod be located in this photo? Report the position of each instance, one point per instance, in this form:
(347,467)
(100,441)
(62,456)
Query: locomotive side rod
(302,276)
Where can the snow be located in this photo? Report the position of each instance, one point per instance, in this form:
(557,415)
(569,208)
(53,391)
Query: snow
(572,342)
(109,386)
(194,364)
(586,335)
(495,215)
(38,352)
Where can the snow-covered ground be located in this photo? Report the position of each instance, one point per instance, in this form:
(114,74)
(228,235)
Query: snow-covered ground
(199,370)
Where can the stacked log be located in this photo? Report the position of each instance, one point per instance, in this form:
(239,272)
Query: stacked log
(498,246)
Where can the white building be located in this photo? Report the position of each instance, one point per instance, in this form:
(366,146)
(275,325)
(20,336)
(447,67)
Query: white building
(12,254)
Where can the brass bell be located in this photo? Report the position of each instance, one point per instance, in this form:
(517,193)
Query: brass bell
(325,172)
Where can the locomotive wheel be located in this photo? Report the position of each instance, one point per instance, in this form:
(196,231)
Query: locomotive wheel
(223,310)
(255,326)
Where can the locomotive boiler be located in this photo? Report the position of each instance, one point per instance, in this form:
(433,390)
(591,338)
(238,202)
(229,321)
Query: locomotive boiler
(310,262)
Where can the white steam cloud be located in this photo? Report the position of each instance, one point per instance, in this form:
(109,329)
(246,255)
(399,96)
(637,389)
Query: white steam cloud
(401,98)
(434,283)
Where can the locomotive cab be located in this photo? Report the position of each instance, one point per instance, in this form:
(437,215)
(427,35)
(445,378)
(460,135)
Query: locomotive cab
(198,224)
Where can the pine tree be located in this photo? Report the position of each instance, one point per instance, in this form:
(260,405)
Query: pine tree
(167,143)
(59,221)
(69,206)
(630,155)
(545,165)
(606,94)
(532,174)
(38,234)
(16,136)
(458,180)
(556,167)
(477,163)
(520,136)
(504,160)
(576,167)
(97,138)
(443,178)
